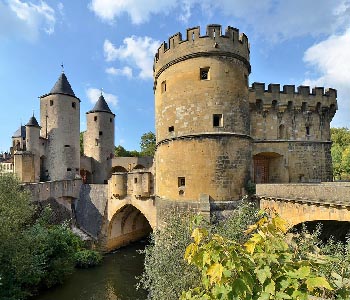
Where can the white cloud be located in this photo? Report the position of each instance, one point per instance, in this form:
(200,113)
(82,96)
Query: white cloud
(137,52)
(126,71)
(275,20)
(93,94)
(26,19)
(329,61)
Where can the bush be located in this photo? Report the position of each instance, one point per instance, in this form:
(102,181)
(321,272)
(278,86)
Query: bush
(87,258)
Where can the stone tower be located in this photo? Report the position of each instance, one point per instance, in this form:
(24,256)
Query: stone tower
(99,140)
(33,145)
(202,115)
(60,126)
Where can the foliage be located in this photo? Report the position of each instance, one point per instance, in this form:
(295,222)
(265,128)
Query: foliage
(148,144)
(81,140)
(266,266)
(341,153)
(120,151)
(33,253)
(87,258)
(166,273)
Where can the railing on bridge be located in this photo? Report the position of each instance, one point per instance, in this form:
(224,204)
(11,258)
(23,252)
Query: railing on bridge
(325,193)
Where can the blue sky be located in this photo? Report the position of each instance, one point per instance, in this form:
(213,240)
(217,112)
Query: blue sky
(110,44)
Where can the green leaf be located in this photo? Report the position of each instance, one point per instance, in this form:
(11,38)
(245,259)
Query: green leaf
(264,296)
(317,282)
(263,274)
(198,234)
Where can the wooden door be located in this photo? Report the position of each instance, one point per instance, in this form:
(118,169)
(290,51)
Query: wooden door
(261,170)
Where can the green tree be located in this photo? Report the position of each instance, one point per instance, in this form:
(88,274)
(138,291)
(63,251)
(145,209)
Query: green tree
(340,153)
(148,144)
(266,266)
(120,151)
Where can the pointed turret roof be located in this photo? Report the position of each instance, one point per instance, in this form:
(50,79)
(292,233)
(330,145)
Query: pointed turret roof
(101,106)
(62,86)
(33,122)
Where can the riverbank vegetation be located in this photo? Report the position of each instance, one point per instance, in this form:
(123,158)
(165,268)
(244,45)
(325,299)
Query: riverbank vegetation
(251,255)
(341,153)
(34,254)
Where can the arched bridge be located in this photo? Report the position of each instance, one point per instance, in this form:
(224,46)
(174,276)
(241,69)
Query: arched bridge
(303,202)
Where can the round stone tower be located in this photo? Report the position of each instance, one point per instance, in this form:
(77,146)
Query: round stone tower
(202,115)
(99,140)
(33,145)
(60,125)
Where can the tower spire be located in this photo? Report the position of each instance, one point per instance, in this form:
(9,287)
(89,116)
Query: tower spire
(62,66)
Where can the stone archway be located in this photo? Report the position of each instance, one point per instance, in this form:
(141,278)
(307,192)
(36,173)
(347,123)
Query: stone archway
(127,225)
(269,168)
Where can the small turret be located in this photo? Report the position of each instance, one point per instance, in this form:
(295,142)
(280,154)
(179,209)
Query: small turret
(99,140)
(33,145)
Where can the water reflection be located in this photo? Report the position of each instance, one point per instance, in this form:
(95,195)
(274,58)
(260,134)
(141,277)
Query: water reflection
(113,280)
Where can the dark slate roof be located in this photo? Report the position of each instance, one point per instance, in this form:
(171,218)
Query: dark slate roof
(62,86)
(33,122)
(101,106)
(20,132)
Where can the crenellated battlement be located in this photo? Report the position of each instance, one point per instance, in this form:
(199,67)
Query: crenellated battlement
(213,43)
(302,98)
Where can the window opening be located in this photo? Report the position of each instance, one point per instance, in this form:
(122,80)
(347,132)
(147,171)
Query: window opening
(95,118)
(69,169)
(171,128)
(73,105)
(307,130)
(204,73)
(164,86)
(51,102)
(181,181)
(100,133)
(135,180)
(66,146)
(96,142)
(217,120)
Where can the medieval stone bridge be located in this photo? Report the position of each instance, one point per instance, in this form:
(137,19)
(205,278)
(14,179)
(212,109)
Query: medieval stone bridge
(114,218)
(302,202)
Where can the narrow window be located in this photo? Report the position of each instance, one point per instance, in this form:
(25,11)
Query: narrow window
(66,146)
(246,80)
(100,133)
(135,180)
(204,73)
(69,169)
(192,36)
(95,118)
(281,132)
(164,86)
(73,105)
(110,120)
(181,181)
(217,120)
(171,128)
(307,130)
(51,102)
(96,142)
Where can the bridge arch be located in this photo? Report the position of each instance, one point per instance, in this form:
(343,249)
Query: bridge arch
(128,224)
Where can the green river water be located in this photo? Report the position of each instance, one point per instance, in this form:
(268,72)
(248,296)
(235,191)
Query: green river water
(114,279)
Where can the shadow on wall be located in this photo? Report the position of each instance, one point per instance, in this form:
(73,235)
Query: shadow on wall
(90,208)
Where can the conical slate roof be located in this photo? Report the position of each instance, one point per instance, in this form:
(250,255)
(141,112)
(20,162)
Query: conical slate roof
(33,122)
(62,86)
(101,106)
(20,132)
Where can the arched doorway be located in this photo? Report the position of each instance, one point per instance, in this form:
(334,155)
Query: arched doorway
(127,225)
(269,168)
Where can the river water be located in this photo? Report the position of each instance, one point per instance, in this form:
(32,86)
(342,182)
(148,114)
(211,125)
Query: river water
(114,279)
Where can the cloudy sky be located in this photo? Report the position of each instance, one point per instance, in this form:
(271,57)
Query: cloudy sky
(110,44)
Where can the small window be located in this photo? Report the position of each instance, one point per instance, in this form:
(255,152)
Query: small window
(217,120)
(164,86)
(51,102)
(204,73)
(77,169)
(100,133)
(307,130)
(246,80)
(66,146)
(69,169)
(110,120)
(73,104)
(96,142)
(95,118)
(181,181)
(135,180)
(171,128)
